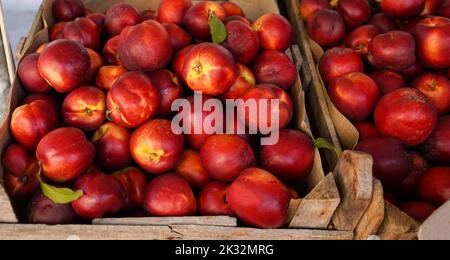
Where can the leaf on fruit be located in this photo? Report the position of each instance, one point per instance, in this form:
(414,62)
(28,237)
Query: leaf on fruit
(60,195)
(322,143)
(218,30)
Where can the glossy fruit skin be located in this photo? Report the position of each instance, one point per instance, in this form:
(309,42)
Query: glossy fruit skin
(64,64)
(232,9)
(327,27)
(84,31)
(31,122)
(432,36)
(134,183)
(437,147)
(291,159)
(96,63)
(383,22)
(29,76)
(355,95)
(170,89)
(418,210)
(407,188)
(112,146)
(444,10)
(99,20)
(308,8)
(26,184)
(191,168)
(337,62)
(245,81)
(15,159)
(178,37)
(391,162)
(436,88)
(239,18)
(67,145)
(434,186)
(212,200)
(196,139)
(155,147)
(42,210)
(366,130)
(259,199)
(402,9)
(209,68)
(273,67)
(178,61)
(169,195)
(133,100)
(56,31)
(388,80)
(107,76)
(267,92)
(406,114)
(110,51)
(173,11)
(149,36)
(432,7)
(355,13)
(274,31)
(103,194)
(120,16)
(360,38)
(242,41)
(411,73)
(412,24)
(196,18)
(84,108)
(67,10)
(395,50)
(49,98)
(226,156)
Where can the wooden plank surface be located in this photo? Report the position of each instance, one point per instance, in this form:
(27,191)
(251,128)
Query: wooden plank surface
(397,225)
(175,232)
(221,221)
(317,208)
(437,226)
(354,179)
(292,210)
(374,215)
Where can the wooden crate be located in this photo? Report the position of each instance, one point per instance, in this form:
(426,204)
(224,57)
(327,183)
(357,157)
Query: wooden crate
(395,224)
(339,206)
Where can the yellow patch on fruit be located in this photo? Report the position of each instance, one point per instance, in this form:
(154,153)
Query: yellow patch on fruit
(155,155)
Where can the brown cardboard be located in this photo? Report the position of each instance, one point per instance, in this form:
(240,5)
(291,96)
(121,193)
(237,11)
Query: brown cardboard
(252,8)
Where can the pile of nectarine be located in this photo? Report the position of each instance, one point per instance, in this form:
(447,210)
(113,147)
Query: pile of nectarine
(96,121)
(386,66)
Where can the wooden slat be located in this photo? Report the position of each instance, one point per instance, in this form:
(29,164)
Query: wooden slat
(397,225)
(437,226)
(374,215)
(292,210)
(175,232)
(354,179)
(316,97)
(317,208)
(7,214)
(221,221)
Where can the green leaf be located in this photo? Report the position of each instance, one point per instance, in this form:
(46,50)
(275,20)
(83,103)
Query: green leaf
(322,143)
(60,195)
(217,28)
